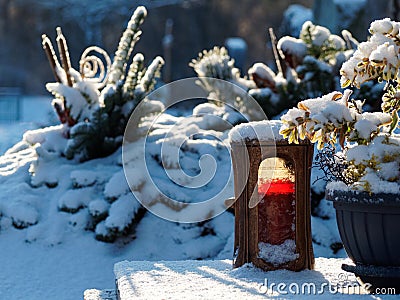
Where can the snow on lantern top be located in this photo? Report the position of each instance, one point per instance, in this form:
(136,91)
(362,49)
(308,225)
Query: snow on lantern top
(259,131)
(263,131)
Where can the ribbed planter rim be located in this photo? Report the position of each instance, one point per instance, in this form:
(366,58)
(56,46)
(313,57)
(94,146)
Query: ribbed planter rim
(362,197)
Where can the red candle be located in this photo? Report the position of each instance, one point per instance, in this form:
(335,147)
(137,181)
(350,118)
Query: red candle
(276,211)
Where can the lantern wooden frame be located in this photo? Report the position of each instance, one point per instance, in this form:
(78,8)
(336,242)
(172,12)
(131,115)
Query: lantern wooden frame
(246,218)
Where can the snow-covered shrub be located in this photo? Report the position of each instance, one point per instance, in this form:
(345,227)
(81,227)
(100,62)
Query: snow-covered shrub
(23,215)
(308,66)
(116,186)
(83,178)
(98,209)
(73,200)
(370,156)
(96,102)
(216,63)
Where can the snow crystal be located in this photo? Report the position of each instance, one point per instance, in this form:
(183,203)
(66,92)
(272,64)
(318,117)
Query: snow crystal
(382,152)
(107,91)
(385,147)
(133,152)
(137,174)
(233,117)
(380,48)
(278,254)
(349,70)
(261,130)
(262,92)
(148,77)
(149,193)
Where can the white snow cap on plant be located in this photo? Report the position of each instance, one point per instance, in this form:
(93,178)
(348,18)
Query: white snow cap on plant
(151,73)
(263,71)
(320,119)
(81,99)
(380,162)
(384,26)
(126,44)
(214,63)
(319,34)
(338,42)
(384,52)
(380,52)
(292,46)
(370,123)
(140,12)
(322,110)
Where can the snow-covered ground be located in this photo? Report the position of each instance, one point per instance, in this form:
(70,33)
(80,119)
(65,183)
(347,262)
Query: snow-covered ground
(58,258)
(36,111)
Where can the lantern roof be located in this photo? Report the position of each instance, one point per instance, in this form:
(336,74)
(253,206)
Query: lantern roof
(262,131)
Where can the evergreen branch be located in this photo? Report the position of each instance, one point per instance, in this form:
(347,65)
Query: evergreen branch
(126,44)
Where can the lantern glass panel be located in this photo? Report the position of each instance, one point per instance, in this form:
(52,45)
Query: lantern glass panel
(277,206)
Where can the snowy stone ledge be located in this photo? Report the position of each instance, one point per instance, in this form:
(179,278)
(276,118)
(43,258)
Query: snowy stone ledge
(217,280)
(94,294)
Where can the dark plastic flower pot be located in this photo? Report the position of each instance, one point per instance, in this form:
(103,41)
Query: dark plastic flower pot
(369,226)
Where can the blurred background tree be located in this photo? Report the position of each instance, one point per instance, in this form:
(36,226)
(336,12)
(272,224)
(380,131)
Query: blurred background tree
(197,25)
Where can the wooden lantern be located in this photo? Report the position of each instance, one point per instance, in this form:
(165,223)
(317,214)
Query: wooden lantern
(275,231)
